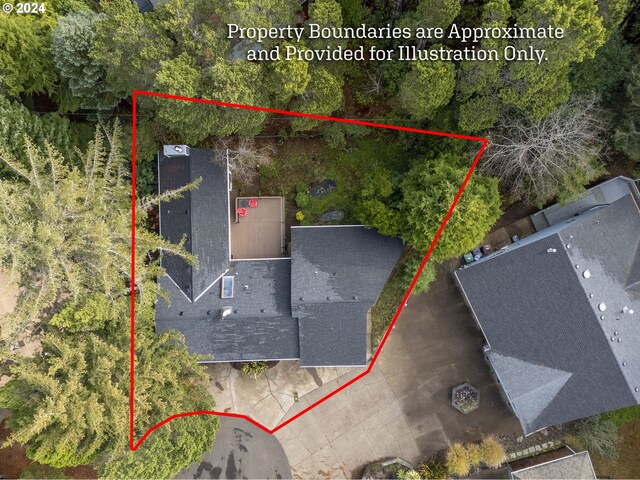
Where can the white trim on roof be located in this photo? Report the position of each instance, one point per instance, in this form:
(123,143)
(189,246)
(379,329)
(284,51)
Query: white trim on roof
(558,460)
(229,187)
(179,289)
(326,226)
(209,287)
(247,361)
(258,259)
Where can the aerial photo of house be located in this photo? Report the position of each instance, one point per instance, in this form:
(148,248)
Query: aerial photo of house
(253,296)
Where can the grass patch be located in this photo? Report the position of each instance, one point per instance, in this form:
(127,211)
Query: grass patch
(624,415)
(387,303)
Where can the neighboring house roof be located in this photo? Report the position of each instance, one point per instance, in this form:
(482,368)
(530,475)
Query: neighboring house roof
(556,353)
(572,467)
(338,271)
(146,6)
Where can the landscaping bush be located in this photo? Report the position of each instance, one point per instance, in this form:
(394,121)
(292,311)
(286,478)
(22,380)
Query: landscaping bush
(404,474)
(433,470)
(600,435)
(474,454)
(299,215)
(254,369)
(458,460)
(425,279)
(492,452)
(302,199)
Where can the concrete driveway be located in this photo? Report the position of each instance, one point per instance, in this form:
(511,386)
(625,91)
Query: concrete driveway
(241,450)
(402,407)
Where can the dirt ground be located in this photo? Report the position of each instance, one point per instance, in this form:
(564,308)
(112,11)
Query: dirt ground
(7,295)
(627,465)
(13,460)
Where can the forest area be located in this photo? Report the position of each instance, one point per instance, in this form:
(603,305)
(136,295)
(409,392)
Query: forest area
(66,82)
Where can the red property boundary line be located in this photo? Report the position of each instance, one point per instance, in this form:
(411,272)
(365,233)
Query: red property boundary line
(133,444)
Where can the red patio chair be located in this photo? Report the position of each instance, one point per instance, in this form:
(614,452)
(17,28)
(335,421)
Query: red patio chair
(253,203)
(242,212)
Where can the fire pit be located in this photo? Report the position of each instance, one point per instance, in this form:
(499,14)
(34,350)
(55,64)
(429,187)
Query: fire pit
(465,398)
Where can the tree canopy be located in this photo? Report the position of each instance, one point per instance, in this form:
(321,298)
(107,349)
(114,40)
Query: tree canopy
(428,192)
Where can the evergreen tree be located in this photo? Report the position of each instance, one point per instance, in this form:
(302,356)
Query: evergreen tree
(70,405)
(83,76)
(16,121)
(428,191)
(426,87)
(25,63)
(54,254)
(130,46)
(323,96)
(537,90)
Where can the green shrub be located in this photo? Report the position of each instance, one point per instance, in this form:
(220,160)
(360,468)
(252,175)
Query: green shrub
(404,474)
(299,215)
(426,278)
(600,435)
(433,471)
(254,369)
(302,199)
(458,460)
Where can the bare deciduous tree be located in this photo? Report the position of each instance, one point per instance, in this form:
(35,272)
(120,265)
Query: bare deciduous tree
(554,157)
(246,158)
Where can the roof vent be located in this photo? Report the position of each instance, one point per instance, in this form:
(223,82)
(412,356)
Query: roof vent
(637,389)
(226,311)
(602,307)
(175,151)
(551,250)
(624,364)
(619,340)
(586,274)
(577,266)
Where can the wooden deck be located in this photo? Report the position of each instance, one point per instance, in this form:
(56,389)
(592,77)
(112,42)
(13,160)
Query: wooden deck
(260,234)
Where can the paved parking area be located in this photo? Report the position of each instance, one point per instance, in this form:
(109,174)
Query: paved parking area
(402,407)
(241,450)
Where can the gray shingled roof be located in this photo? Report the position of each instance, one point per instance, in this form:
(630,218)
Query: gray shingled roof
(341,263)
(338,273)
(261,326)
(550,345)
(333,334)
(336,276)
(202,215)
(571,467)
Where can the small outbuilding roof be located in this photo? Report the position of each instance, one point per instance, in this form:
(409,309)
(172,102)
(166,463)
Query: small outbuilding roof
(572,467)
